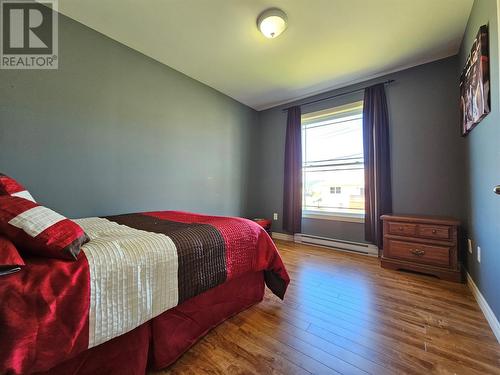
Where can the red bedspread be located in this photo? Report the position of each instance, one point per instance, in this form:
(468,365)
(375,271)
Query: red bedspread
(44,311)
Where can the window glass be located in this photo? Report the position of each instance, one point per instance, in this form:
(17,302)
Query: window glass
(333,172)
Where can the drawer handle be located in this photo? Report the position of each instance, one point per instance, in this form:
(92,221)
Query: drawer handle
(400,228)
(434,231)
(417,252)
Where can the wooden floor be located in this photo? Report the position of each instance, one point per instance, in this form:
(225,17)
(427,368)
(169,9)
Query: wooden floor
(343,314)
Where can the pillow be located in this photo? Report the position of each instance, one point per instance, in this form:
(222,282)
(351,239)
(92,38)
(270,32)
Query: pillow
(10,260)
(39,230)
(9,186)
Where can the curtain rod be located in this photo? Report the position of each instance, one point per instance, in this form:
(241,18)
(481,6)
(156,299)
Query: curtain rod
(388,82)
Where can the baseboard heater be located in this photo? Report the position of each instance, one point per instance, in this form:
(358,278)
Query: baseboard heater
(357,247)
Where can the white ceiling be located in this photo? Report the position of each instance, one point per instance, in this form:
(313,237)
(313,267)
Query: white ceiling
(328,43)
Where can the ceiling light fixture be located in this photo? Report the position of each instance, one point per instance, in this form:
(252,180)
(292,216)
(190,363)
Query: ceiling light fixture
(272,22)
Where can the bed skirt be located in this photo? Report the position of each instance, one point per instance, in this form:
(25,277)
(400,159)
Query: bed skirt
(161,341)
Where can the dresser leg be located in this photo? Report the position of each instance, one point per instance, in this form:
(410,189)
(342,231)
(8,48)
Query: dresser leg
(449,275)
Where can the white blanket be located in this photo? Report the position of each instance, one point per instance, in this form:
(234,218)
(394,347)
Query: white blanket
(133,277)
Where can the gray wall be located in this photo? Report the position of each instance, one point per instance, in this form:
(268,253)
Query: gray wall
(483,167)
(426,147)
(114,131)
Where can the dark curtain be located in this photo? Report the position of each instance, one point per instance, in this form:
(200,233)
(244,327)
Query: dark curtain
(292,197)
(378,195)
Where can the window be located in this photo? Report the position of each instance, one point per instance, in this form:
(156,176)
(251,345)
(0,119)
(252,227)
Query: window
(336,190)
(333,173)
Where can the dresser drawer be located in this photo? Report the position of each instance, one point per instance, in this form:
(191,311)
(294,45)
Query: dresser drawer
(402,229)
(439,232)
(417,252)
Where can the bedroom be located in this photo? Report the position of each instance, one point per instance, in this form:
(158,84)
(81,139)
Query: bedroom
(173,123)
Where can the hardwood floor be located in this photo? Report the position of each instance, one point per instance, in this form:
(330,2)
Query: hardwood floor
(343,314)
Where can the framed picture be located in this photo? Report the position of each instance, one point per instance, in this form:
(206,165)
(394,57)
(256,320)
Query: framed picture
(475,83)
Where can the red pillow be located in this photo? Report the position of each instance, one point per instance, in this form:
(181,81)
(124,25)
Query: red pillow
(10,260)
(9,186)
(40,230)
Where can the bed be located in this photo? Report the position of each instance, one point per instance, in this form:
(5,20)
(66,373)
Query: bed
(143,290)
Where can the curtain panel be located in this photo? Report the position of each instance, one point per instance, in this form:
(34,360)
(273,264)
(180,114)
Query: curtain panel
(378,192)
(292,189)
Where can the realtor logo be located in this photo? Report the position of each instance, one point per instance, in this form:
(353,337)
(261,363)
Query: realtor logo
(29,34)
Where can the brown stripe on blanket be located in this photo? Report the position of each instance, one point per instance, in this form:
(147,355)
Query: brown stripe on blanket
(200,250)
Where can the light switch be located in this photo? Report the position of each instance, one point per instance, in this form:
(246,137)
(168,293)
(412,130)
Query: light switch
(479,254)
(275,216)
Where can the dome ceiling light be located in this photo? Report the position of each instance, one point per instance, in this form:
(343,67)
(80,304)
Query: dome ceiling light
(272,22)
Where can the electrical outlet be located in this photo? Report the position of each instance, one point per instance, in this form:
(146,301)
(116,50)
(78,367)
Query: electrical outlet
(275,216)
(479,254)
(469,245)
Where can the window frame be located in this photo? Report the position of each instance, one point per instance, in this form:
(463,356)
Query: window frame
(331,114)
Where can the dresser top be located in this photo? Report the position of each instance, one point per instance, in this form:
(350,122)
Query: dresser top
(422,219)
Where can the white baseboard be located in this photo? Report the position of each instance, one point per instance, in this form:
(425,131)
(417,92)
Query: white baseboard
(282,236)
(483,304)
(362,248)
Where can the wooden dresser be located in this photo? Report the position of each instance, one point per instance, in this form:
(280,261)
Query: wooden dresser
(423,244)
